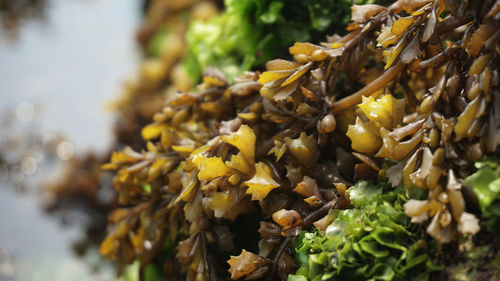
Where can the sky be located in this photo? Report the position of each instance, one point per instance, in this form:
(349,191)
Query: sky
(62,72)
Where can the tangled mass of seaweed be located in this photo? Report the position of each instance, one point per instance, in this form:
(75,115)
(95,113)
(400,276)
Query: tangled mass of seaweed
(346,163)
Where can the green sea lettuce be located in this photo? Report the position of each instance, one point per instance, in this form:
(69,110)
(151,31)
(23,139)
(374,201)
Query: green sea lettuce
(251,32)
(372,241)
(485,183)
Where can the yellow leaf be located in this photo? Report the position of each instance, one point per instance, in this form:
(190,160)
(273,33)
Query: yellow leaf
(182,149)
(221,203)
(269,76)
(279,64)
(189,183)
(210,168)
(464,121)
(361,13)
(363,138)
(287,218)
(386,111)
(234,179)
(122,157)
(238,163)
(201,149)
(297,74)
(244,140)
(109,166)
(303,48)
(401,25)
(126,156)
(376,112)
(278,149)
(156,168)
(262,183)
(152,131)
(336,45)
(249,116)
(386,37)
(244,264)
(388,146)
(213,81)
(393,53)
(304,148)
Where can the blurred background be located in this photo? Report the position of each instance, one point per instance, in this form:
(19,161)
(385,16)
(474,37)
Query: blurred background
(61,63)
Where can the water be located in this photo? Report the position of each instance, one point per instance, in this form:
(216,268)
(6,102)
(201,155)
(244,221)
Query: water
(54,81)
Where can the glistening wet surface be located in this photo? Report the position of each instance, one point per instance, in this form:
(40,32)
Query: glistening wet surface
(55,80)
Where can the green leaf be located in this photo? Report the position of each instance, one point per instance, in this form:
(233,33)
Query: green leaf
(363,193)
(292,277)
(273,12)
(373,248)
(480,181)
(369,242)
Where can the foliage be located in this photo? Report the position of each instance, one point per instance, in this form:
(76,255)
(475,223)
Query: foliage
(485,183)
(372,241)
(235,171)
(251,32)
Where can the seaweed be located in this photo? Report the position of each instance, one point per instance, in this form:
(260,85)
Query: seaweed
(409,95)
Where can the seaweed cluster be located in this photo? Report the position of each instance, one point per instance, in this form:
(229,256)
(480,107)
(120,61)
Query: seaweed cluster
(232,173)
(161,72)
(485,183)
(372,241)
(249,33)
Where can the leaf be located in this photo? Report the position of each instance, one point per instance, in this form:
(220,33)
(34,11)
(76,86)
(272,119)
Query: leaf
(363,193)
(244,140)
(411,6)
(468,224)
(287,218)
(361,13)
(401,25)
(393,53)
(386,110)
(307,187)
(430,27)
(152,131)
(466,118)
(278,149)
(279,64)
(292,277)
(244,264)
(395,173)
(269,76)
(386,37)
(185,250)
(303,48)
(214,77)
(245,88)
(273,12)
(262,183)
(304,148)
(238,163)
(415,208)
(223,204)
(210,168)
(118,158)
(480,183)
(412,50)
(477,40)
(283,92)
(363,137)
(297,74)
